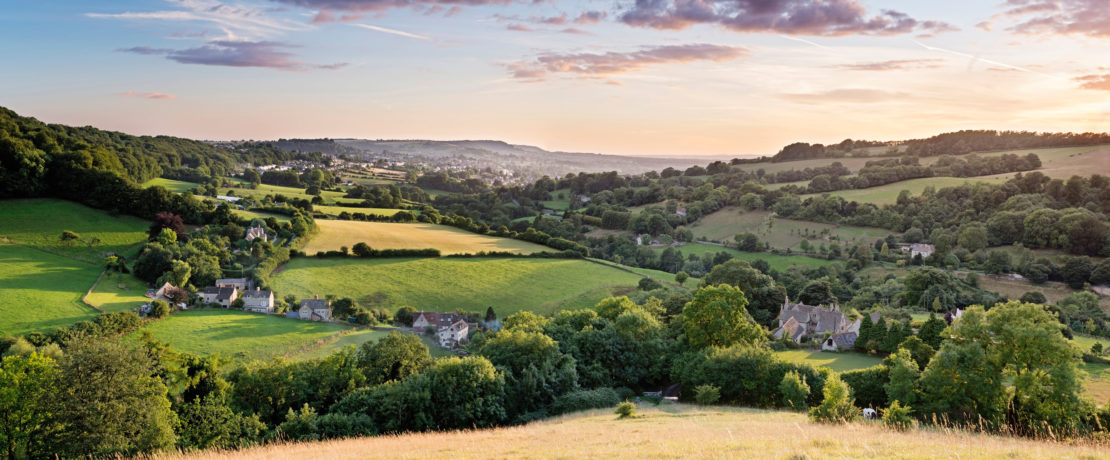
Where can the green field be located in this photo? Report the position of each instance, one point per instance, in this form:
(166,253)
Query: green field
(334,234)
(781,233)
(335,210)
(838,362)
(40,291)
(1064,162)
(888,194)
(260,215)
(777,262)
(446,284)
(176,186)
(243,336)
(333,343)
(40,222)
(117,292)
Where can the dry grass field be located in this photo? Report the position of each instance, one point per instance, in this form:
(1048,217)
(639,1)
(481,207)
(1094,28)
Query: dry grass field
(675,431)
(381,235)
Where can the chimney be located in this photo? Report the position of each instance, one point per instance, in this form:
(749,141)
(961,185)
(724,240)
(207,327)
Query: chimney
(317,297)
(257,288)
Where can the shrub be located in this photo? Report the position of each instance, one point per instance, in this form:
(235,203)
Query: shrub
(898,417)
(837,407)
(159,309)
(868,385)
(706,395)
(584,399)
(626,410)
(794,391)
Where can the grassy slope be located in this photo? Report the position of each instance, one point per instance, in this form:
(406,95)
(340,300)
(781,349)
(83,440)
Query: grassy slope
(673,431)
(243,336)
(382,235)
(888,194)
(335,210)
(40,222)
(176,186)
(777,262)
(40,291)
(781,233)
(839,362)
(117,292)
(446,284)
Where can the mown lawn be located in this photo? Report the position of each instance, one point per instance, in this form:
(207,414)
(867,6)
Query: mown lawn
(176,186)
(839,362)
(118,292)
(777,262)
(334,234)
(40,291)
(242,336)
(40,222)
(448,284)
(781,233)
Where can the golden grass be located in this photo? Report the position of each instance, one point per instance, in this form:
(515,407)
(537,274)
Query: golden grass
(674,431)
(381,235)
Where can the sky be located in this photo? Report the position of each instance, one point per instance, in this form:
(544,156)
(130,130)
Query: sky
(633,77)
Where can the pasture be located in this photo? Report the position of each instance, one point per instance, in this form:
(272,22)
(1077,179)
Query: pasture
(242,336)
(781,233)
(448,284)
(839,362)
(176,186)
(39,223)
(334,234)
(777,262)
(888,194)
(1064,162)
(672,431)
(40,291)
(118,292)
(336,210)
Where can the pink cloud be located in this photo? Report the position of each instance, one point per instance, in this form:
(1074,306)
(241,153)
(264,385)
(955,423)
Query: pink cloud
(162,96)
(611,63)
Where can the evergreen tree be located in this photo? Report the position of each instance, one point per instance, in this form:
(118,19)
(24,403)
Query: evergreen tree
(903,378)
(892,339)
(930,331)
(876,335)
(865,326)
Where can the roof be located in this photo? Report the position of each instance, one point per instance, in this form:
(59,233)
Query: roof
(258,294)
(315,304)
(845,340)
(231,281)
(439,320)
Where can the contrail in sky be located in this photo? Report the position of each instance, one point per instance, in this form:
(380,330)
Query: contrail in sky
(392,31)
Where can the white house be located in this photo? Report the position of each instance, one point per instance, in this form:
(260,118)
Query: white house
(258,301)
(452,335)
(241,284)
(314,309)
(219,295)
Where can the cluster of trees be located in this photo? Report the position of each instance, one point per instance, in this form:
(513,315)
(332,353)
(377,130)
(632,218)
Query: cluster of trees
(968,141)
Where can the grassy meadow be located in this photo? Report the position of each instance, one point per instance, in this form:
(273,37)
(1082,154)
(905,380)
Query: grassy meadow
(673,431)
(838,362)
(383,235)
(446,284)
(336,210)
(40,291)
(39,223)
(176,186)
(242,336)
(777,262)
(117,292)
(888,194)
(779,232)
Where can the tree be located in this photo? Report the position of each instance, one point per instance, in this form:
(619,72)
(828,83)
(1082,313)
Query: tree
(159,309)
(536,371)
(1076,271)
(794,391)
(972,237)
(167,220)
(817,292)
(490,315)
(903,377)
(396,356)
(26,387)
(362,250)
(404,316)
(1034,297)
(649,284)
(921,352)
(898,417)
(681,277)
(113,402)
(864,334)
(746,241)
(765,297)
(837,405)
(68,238)
(718,316)
(930,331)
(706,395)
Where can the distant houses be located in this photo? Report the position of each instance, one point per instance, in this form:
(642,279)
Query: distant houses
(314,309)
(922,249)
(222,296)
(256,232)
(799,321)
(258,301)
(241,284)
(450,329)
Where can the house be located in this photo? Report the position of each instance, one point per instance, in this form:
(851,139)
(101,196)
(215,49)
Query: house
(422,320)
(256,232)
(925,250)
(799,321)
(161,293)
(681,212)
(452,335)
(219,295)
(241,284)
(314,309)
(258,301)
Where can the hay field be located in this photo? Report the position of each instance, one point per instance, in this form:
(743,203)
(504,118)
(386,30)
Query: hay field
(334,234)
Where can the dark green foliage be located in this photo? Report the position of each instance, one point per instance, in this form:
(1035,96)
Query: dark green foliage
(718,317)
(583,400)
(899,417)
(794,391)
(868,385)
(1034,297)
(396,356)
(271,389)
(535,370)
(920,351)
(649,284)
(159,309)
(706,395)
(930,331)
(746,376)
(817,292)
(764,296)
(837,405)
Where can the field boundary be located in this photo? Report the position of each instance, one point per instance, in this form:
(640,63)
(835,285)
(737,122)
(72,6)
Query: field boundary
(85,298)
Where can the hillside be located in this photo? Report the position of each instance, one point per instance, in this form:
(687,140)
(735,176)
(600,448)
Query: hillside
(335,234)
(672,431)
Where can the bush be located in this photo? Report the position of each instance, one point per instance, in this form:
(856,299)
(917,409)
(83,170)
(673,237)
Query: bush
(794,391)
(837,407)
(626,410)
(159,309)
(868,385)
(898,417)
(706,395)
(584,399)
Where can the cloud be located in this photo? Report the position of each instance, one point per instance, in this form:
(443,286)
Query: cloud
(897,64)
(1095,81)
(241,20)
(790,17)
(162,96)
(611,63)
(590,17)
(845,95)
(518,28)
(376,6)
(235,53)
(1083,17)
(400,33)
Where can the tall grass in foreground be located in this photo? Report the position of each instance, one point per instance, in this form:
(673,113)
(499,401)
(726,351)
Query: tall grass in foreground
(677,431)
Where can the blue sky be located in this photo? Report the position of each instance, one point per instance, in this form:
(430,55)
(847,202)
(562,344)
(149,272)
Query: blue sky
(654,77)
